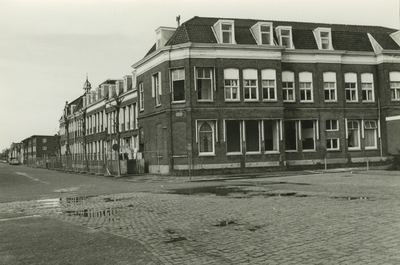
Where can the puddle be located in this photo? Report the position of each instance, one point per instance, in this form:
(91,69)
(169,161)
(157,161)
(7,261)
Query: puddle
(92,213)
(350,198)
(241,191)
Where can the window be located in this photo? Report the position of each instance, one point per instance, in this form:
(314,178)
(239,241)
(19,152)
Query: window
(332,125)
(324,38)
(227,34)
(370,138)
(353,135)
(44,148)
(394,78)
(291,135)
(250,84)
(271,136)
(285,36)
(206,139)
(178,85)
(44,140)
(204,84)
(350,84)
(156,83)
(367,86)
(231,84)
(268,78)
(266,34)
(330,86)
(307,135)
(305,85)
(141,97)
(233,136)
(288,86)
(252,133)
(332,144)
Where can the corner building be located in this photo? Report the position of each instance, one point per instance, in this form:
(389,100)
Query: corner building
(239,95)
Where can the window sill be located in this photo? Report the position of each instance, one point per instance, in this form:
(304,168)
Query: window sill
(306,101)
(271,152)
(371,148)
(232,100)
(368,101)
(234,154)
(251,100)
(270,100)
(289,101)
(205,100)
(333,150)
(207,154)
(309,151)
(330,101)
(351,101)
(253,153)
(291,151)
(178,102)
(354,149)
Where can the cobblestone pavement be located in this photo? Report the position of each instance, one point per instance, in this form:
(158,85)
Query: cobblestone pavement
(338,218)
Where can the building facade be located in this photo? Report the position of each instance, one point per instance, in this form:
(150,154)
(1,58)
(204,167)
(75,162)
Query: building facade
(38,148)
(240,95)
(98,120)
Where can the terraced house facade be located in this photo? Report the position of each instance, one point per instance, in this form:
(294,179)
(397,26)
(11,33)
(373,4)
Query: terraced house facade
(243,94)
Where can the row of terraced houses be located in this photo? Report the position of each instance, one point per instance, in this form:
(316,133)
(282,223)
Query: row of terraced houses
(237,95)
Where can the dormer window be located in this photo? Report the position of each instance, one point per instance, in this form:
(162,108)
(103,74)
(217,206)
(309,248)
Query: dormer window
(263,33)
(285,36)
(225,31)
(323,37)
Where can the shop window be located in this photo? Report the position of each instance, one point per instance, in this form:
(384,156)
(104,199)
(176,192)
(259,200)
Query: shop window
(271,135)
(233,136)
(291,135)
(307,135)
(252,136)
(353,135)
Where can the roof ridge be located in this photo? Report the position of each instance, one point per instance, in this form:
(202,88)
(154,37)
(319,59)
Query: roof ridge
(297,22)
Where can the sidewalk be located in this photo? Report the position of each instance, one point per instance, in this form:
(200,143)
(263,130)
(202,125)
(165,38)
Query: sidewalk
(141,178)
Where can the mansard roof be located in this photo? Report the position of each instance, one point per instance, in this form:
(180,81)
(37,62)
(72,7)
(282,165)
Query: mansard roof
(344,37)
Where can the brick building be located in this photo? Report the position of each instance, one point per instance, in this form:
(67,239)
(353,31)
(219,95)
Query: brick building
(88,126)
(242,94)
(39,148)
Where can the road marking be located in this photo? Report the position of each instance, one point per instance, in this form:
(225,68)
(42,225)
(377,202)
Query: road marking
(22,217)
(32,178)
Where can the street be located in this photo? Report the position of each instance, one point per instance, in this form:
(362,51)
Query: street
(338,217)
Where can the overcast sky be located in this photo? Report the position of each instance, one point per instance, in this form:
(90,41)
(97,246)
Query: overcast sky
(48,46)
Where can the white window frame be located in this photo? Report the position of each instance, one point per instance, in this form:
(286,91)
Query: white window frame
(219,31)
(275,136)
(177,75)
(204,69)
(331,122)
(329,78)
(141,96)
(250,75)
(156,88)
(288,77)
(231,74)
(268,75)
(351,78)
(371,125)
(331,142)
(213,125)
(314,130)
(321,39)
(279,30)
(305,79)
(348,128)
(394,79)
(367,85)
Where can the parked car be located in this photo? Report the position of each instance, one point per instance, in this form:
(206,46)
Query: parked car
(14,162)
